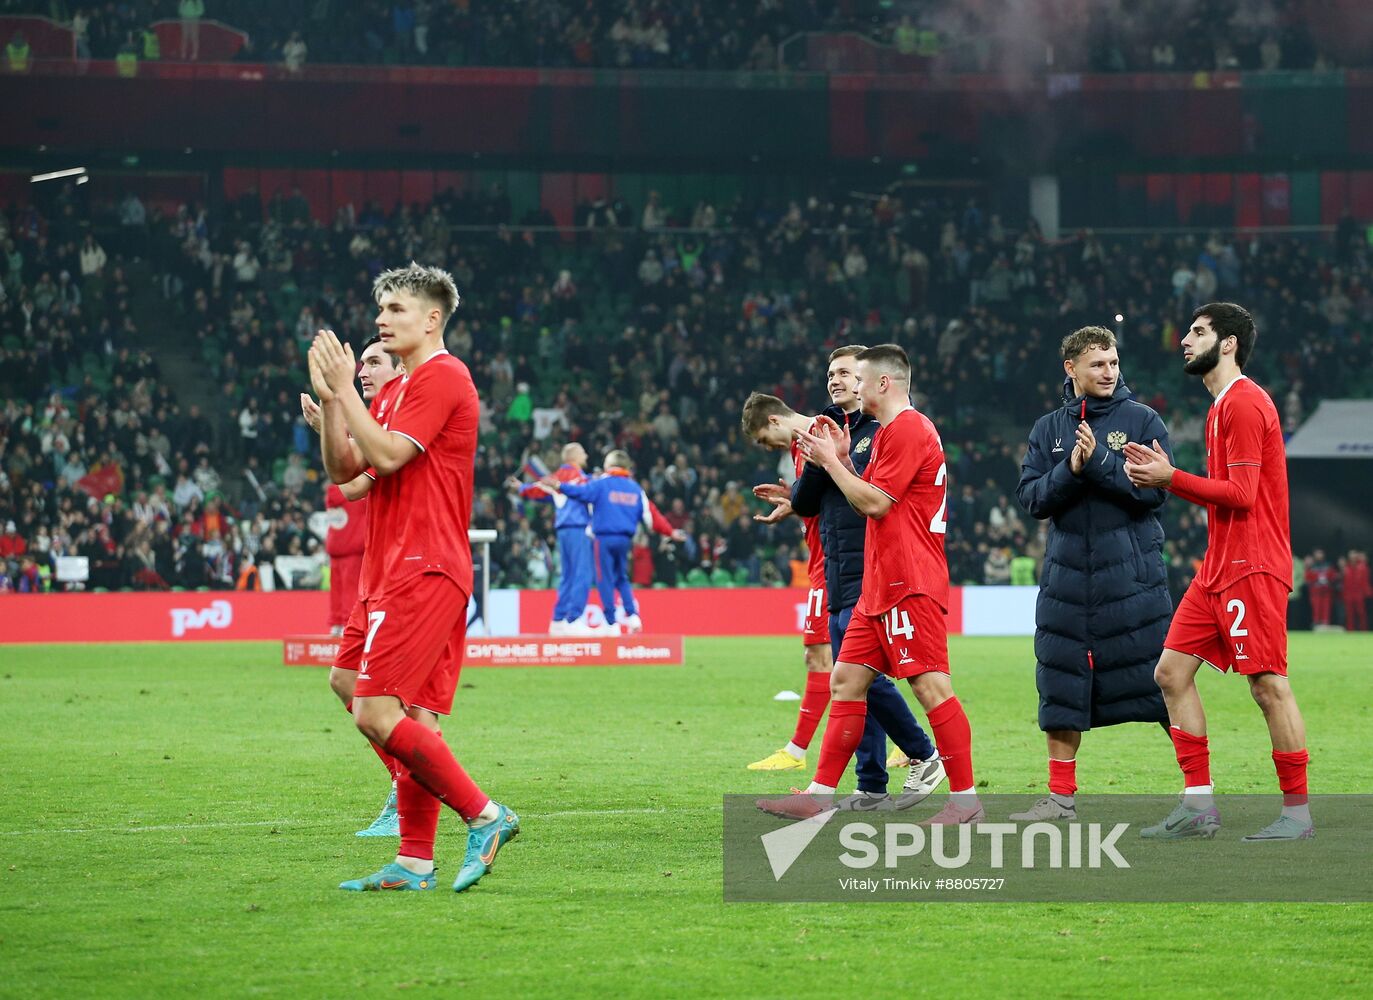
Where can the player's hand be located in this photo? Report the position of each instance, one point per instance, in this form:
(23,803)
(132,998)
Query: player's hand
(839,435)
(772,492)
(1148,469)
(780,512)
(336,362)
(678,535)
(513,484)
(317,380)
(819,449)
(310,410)
(550,483)
(1086,439)
(1082,449)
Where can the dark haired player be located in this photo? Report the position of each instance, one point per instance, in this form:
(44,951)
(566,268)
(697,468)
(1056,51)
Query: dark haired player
(1234,615)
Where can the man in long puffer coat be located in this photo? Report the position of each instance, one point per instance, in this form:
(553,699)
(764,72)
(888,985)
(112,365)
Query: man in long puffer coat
(1103,608)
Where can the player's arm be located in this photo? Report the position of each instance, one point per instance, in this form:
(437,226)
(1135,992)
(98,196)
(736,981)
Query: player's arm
(356,489)
(1237,489)
(822,450)
(808,492)
(656,522)
(1046,487)
(577,491)
(1105,470)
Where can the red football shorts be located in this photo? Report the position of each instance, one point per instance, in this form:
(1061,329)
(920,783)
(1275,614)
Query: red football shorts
(349,655)
(909,639)
(816,629)
(1242,628)
(413,645)
(343,587)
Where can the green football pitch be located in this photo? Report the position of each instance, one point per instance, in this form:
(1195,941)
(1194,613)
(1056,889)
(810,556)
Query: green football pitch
(176,819)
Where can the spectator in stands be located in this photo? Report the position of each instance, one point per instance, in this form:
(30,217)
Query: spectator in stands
(191,12)
(293,54)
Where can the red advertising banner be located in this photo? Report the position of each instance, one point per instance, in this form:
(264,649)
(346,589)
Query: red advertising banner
(182,616)
(712,611)
(309,650)
(610,651)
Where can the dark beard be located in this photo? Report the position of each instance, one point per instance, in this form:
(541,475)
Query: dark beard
(1201,364)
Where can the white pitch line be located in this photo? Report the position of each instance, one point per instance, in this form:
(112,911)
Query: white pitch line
(148,829)
(173,827)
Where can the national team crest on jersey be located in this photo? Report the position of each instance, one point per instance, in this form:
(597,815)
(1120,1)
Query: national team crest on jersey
(1116,440)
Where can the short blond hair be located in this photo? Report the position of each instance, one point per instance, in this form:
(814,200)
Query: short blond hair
(433,284)
(618,459)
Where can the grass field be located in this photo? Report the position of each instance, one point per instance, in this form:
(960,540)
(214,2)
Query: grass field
(176,819)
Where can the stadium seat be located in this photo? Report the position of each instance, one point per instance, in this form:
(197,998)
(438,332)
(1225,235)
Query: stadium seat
(721,577)
(696,577)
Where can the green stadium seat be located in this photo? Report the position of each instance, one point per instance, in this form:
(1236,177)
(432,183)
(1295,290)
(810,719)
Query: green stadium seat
(696,577)
(741,578)
(721,577)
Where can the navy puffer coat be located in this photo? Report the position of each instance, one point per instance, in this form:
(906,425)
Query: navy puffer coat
(1103,608)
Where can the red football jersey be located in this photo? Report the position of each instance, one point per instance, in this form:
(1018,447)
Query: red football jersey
(347,534)
(815,568)
(905,549)
(1242,428)
(419,516)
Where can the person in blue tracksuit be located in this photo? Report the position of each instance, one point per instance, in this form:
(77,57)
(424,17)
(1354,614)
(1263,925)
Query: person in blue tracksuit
(572,522)
(618,508)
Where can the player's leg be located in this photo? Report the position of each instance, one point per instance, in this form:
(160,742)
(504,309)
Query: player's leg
(567,575)
(631,620)
(819,659)
(849,683)
(1263,637)
(814,699)
(343,679)
(1196,635)
(954,736)
(605,582)
(400,662)
(1060,803)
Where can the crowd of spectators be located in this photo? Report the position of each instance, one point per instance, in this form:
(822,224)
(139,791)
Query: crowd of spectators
(645,330)
(981,36)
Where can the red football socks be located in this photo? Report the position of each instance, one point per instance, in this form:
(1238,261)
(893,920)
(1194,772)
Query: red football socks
(1194,757)
(432,764)
(1063,776)
(1291,765)
(953,734)
(419,818)
(392,765)
(843,733)
(813,704)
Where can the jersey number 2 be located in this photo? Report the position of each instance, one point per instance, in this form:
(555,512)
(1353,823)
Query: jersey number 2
(1236,607)
(939,524)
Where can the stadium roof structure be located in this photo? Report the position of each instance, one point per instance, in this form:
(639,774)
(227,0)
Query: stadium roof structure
(1340,428)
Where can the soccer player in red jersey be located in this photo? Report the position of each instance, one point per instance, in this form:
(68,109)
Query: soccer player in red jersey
(376,369)
(898,626)
(773,424)
(417,443)
(1234,615)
